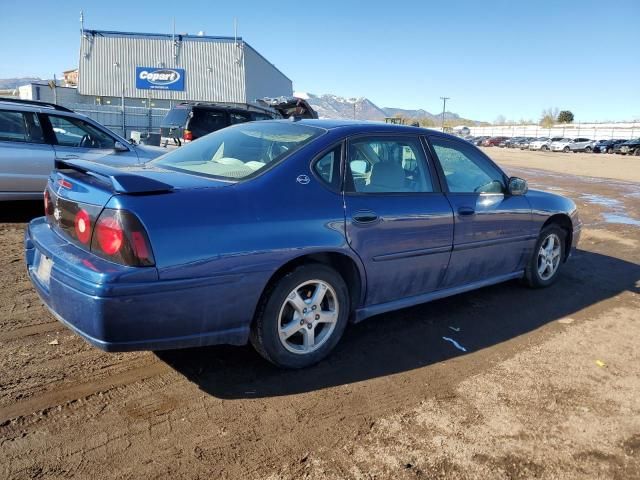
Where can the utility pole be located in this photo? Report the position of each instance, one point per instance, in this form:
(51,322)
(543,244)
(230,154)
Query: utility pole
(354,110)
(444,106)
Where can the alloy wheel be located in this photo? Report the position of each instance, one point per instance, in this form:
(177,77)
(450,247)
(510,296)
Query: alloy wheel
(308,317)
(549,256)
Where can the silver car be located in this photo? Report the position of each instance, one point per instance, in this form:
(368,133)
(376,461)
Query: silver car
(34,134)
(581,145)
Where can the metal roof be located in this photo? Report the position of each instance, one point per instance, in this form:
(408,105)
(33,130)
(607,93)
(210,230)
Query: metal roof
(179,36)
(183,36)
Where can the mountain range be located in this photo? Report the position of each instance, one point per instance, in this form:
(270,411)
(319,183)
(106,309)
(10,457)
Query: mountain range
(361,108)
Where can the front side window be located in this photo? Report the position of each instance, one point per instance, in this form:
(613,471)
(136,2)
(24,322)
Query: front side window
(465,169)
(388,165)
(73,132)
(20,127)
(239,151)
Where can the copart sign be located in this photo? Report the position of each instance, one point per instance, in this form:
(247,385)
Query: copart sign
(150,78)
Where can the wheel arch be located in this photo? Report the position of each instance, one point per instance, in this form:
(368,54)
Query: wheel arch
(347,267)
(563,221)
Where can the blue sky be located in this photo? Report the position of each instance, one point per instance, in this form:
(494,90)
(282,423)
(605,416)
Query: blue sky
(491,58)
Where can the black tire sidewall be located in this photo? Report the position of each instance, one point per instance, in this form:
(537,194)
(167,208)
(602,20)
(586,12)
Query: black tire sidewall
(265,335)
(532,275)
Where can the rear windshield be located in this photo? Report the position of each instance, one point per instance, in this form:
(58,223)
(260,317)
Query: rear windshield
(177,117)
(239,151)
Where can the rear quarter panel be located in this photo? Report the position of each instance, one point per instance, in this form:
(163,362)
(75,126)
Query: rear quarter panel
(237,236)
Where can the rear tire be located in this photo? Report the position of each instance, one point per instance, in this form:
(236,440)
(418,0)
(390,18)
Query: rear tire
(301,317)
(547,257)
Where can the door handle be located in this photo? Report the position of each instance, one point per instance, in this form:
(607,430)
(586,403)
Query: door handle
(365,217)
(466,211)
(69,157)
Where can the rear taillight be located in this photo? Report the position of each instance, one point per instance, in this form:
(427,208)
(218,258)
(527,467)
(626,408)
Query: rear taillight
(120,237)
(82,224)
(48,206)
(187,136)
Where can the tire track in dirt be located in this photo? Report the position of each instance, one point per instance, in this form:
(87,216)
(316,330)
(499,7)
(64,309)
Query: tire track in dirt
(29,331)
(53,398)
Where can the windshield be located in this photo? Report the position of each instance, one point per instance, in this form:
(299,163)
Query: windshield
(240,151)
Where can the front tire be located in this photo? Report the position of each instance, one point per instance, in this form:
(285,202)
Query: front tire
(301,317)
(544,148)
(566,149)
(587,150)
(547,258)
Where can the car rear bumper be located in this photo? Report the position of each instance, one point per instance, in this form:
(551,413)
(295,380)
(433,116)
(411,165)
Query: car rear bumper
(119,308)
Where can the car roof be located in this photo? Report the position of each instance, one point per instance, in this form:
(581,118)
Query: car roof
(363,126)
(33,106)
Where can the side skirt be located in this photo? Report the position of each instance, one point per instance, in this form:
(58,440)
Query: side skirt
(371,310)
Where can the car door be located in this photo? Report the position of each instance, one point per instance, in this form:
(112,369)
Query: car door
(397,219)
(25,158)
(493,233)
(75,138)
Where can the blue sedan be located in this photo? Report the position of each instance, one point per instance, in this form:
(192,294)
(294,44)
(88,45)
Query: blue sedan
(282,232)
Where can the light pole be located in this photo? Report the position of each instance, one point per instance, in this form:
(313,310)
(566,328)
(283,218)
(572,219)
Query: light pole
(444,106)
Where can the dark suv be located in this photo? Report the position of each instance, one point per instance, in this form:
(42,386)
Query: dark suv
(630,147)
(189,121)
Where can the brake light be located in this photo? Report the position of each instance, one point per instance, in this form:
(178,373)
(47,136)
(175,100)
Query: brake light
(187,136)
(109,233)
(120,237)
(82,223)
(48,206)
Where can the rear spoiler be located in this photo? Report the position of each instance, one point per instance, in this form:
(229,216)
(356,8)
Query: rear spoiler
(119,180)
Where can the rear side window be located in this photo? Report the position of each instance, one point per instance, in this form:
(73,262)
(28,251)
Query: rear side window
(20,127)
(388,165)
(204,121)
(237,117)
(328,167)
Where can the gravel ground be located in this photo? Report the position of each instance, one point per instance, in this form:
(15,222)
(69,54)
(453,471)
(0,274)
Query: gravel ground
(548,387)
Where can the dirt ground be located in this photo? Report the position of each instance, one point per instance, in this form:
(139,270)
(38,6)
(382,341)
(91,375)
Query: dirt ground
(619,167)
(549,386)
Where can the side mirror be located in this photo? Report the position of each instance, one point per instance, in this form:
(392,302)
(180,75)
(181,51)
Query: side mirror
(518,186)
(119,147)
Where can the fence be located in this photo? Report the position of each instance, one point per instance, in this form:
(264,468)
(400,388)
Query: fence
(594,131)
(139,119)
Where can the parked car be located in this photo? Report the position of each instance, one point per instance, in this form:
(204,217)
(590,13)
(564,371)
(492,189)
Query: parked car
(252,233)
(33,134)
(523,143)
(188,121)
(581,145)
(561,145)
(493,141)
(606,146)
(508,142)
(478,140)
(543,143)
(630,147)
